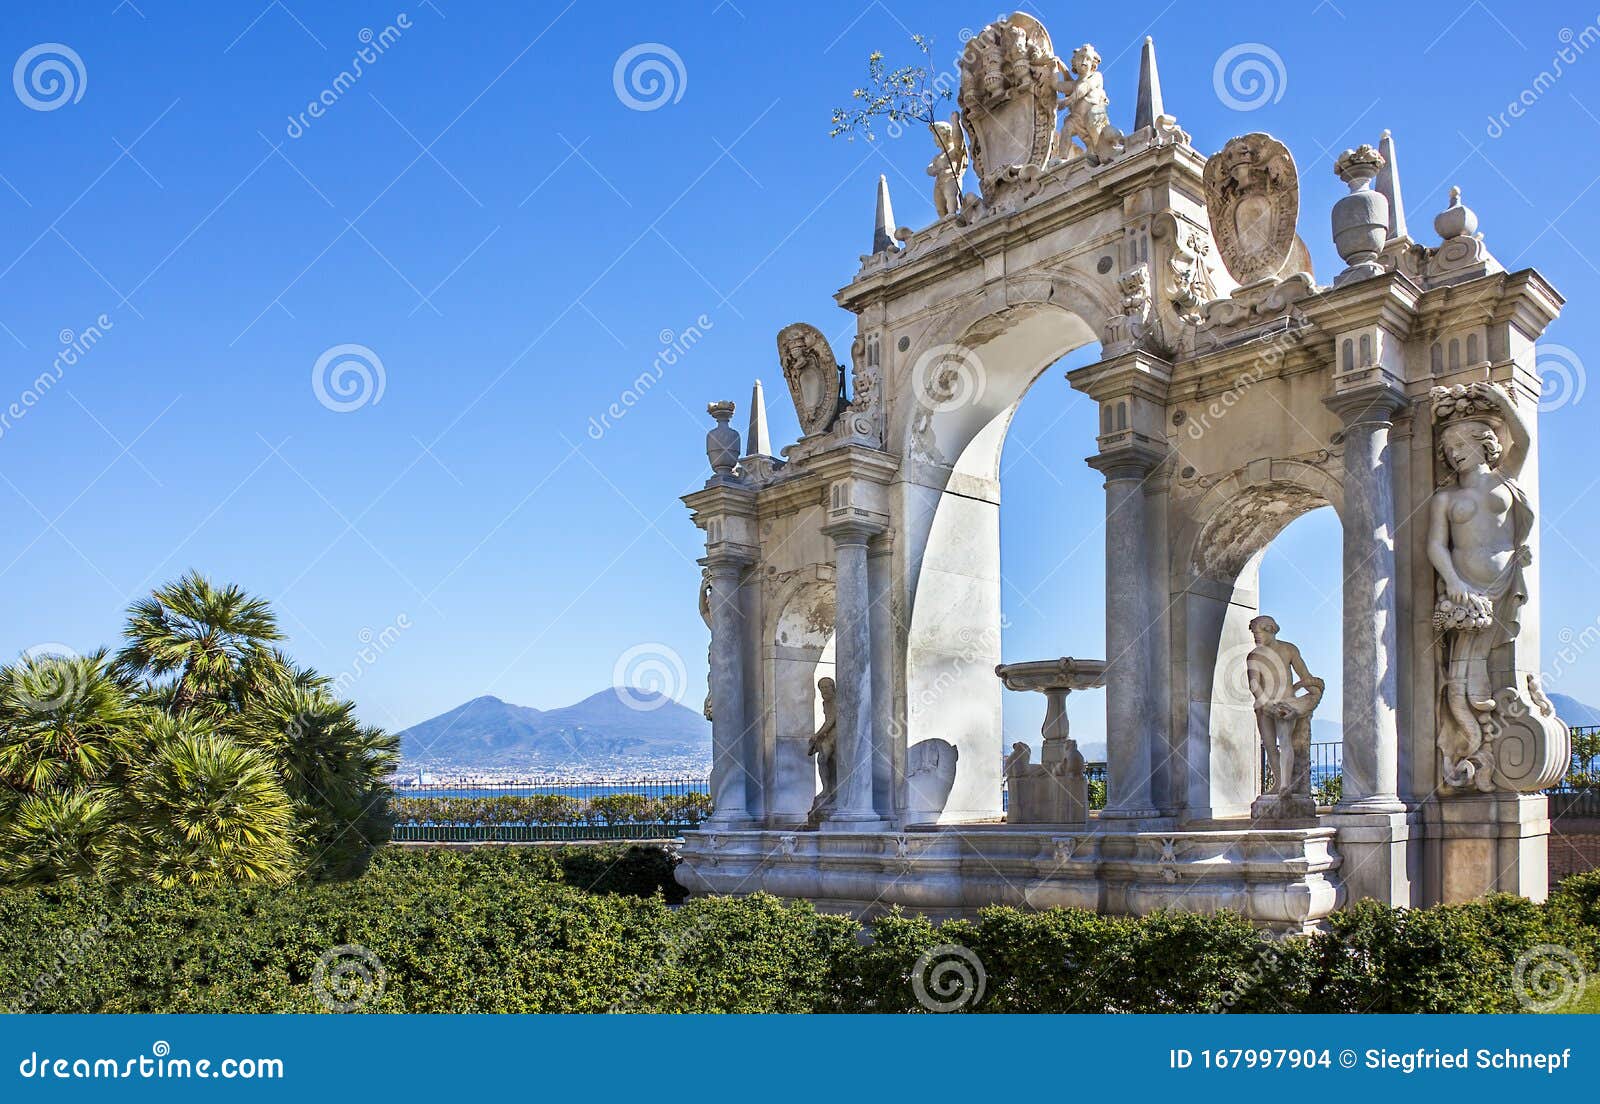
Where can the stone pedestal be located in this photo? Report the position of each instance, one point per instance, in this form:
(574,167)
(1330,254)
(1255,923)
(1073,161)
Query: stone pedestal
(1374,847)
(1488,843)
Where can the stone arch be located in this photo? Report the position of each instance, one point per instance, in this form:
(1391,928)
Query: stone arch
(1009,335)
(1216,568)
(798,645)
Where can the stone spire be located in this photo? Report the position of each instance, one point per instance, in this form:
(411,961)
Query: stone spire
(883,228)
(1148,108)
(1388,184)
(758,442)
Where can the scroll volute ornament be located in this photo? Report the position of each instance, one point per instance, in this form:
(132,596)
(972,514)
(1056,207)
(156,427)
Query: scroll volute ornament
(1008,102)
(1253,199)
(813,376)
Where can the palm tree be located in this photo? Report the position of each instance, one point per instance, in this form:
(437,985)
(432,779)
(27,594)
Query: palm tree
(63,722)
(203,811)
(51,836)
(332,767)
(208,635)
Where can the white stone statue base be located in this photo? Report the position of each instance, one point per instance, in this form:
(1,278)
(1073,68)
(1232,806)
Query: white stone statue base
(1280,879)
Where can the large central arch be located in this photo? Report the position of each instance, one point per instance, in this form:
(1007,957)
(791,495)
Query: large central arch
(954,434)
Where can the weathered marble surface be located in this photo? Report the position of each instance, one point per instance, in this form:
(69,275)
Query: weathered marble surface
(1234,393)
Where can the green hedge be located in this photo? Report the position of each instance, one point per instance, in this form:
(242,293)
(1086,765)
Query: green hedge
(686,809)
(590,930)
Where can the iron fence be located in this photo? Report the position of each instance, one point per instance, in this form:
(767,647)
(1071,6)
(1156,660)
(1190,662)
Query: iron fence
(583,790)
(509,810)
(672,808)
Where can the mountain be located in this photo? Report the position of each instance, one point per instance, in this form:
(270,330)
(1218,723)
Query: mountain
(1575,712)
(613,727)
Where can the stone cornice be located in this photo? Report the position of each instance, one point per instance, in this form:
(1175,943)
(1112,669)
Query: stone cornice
(721,499)
(1137,373)
(1523,298)
(1104,188)
(1388,301)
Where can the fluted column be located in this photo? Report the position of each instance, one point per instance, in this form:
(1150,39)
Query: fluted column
(1371,688)
(1133,721)
(729,767)
(852,665)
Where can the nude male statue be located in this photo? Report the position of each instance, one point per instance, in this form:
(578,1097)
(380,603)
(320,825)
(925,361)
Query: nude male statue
(1277,674)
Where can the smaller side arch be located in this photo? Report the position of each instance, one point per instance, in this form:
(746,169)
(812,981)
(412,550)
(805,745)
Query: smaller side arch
(1216,590)
(797,650)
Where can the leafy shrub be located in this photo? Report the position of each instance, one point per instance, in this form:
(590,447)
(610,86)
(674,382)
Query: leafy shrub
(685,810)
(518,929)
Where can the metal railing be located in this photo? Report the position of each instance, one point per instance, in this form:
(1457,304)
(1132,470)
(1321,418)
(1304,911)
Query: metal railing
(497,810)
(509,810)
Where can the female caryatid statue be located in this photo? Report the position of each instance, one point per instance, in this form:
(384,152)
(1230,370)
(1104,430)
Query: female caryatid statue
(1479,525)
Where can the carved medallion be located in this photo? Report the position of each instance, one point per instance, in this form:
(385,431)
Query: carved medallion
(1253,197)
(1008,103)
(812,374)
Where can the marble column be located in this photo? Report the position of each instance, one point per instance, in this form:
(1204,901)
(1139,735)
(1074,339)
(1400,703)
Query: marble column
(729,767)
(1133,722)
(1371,687)
(852,677)
(881,624)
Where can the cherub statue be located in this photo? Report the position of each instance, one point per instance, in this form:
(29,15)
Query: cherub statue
(1087,107)
(824,746)
(1284,693)
(948,166)
(1479,522)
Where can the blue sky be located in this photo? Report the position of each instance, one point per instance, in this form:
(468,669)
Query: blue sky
(484,212)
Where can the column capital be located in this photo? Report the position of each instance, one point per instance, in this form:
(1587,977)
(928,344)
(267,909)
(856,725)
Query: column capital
(853,530)
(1133,460)
(1377,401)
(881,544)
(726,559)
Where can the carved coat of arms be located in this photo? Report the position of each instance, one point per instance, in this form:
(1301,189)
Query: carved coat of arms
(1253,196)
(815,379)
(1008,102)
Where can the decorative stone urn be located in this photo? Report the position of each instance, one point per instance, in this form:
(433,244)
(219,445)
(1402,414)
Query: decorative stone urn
(722,442)
(1456,220)
(1360,219)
